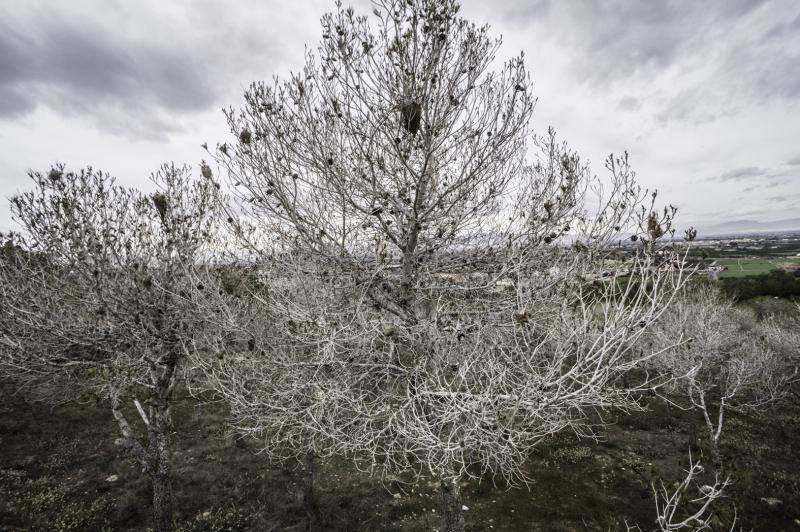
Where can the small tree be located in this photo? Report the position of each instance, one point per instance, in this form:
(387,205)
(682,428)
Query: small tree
(725,361)
(96,297)
(439,304)
(676,512)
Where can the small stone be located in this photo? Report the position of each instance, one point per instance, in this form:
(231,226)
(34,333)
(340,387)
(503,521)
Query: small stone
(112,478)
(464,507)
(771,501)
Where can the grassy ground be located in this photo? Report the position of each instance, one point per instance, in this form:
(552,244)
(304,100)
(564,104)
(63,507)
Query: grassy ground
(57,465)
(736,267)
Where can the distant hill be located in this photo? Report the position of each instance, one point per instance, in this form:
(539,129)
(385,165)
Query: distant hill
(747,226)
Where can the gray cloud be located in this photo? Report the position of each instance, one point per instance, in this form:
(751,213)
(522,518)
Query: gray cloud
(78,67)
(726,54)
(766,178)
(629,103)
(758,178)
(83,64)
(783,29)
(744,172)
(618,38)
(687,106)
(776,183)
(783,198)
(687,86)
(761,71)
(138,73)
(14,102)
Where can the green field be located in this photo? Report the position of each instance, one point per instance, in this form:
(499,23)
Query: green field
(749,267)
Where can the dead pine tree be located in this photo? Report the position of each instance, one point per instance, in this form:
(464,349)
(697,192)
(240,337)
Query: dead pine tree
(441,289)
(96,298)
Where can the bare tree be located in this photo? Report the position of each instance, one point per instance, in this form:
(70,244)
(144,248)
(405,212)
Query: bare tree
(726,361)
(248,356)
(434,302)
(674,512)
(96,297)
(243,350)
(782,334)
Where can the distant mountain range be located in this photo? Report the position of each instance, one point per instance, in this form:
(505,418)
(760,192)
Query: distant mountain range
(747,226)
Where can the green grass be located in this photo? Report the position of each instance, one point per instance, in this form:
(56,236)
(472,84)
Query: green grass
(750,267)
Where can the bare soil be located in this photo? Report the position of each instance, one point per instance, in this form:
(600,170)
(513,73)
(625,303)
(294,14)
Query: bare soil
(61,470)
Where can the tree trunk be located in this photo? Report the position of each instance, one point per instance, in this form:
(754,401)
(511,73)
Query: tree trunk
(162,502)
(310,502)
(155,459)
(452,513)
(160,468)
(716,456)
(694,443)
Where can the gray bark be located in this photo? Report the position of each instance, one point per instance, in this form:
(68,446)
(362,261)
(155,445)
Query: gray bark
(310,503)
(452,513)
(716,456)
(162,502)
(160,469)
(694,442)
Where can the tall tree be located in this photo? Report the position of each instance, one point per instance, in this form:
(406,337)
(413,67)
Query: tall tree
(438,303)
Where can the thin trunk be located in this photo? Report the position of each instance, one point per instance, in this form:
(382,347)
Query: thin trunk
(310,502)
(714,431)
(716,456)
(694,443)
(452,512)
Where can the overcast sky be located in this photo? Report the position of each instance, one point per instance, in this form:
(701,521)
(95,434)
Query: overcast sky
(704,95)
